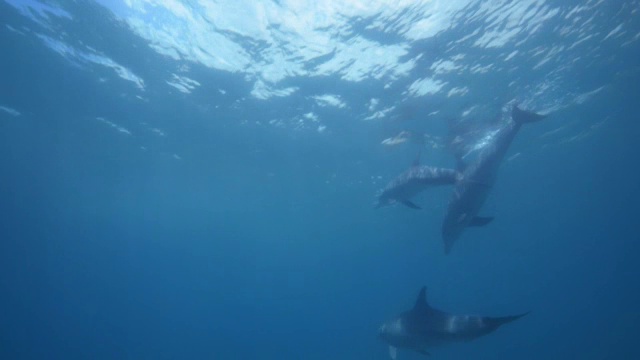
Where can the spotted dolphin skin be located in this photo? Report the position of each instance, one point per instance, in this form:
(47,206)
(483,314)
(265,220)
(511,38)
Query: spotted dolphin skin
(477,179)
(424,327)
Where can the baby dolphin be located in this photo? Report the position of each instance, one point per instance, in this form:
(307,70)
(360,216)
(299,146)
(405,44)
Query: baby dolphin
(423,327)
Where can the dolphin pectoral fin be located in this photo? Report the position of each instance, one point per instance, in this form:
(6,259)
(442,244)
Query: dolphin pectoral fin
(410,204)
(481,220)
(393,352)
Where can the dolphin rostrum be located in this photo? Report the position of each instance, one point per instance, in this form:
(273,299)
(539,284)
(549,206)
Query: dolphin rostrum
(424,327)
(472,183)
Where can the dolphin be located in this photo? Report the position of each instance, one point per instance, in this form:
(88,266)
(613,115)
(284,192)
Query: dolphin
(424,327)
(476,180)
(472,183)
(413,181)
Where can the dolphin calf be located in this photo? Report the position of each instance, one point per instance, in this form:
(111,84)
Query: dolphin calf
(477,179)
(424,327)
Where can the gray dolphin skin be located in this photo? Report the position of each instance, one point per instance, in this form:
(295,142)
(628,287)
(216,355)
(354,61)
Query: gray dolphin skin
(477,179)
(424,327)
(413,181)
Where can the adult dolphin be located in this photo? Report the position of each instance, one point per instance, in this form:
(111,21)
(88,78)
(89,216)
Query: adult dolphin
(477,179)
(472,183)
(413,181)
(423,327)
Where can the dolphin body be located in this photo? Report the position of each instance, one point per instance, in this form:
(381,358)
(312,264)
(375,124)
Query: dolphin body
(472,183)
(413,181)
(477,179)
(423,327)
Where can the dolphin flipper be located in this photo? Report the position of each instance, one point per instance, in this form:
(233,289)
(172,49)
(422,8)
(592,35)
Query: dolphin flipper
(410,204)
(481,220)
(393,352)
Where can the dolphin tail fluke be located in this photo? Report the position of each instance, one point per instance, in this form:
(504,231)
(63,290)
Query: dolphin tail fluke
(496,322)
(523,117)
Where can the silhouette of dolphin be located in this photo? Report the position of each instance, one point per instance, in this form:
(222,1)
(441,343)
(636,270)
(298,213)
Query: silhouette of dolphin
(472,183)
(413,181)
(477,179)
(424,326)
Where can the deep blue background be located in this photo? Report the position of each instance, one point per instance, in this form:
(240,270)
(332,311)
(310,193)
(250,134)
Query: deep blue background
(260,244)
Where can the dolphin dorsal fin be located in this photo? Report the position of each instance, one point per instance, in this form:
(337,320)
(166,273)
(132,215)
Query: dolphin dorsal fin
(421,301)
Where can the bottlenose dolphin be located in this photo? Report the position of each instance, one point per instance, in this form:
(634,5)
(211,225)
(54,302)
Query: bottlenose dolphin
(424,326)
(472,183)
(476,180)
(413,181)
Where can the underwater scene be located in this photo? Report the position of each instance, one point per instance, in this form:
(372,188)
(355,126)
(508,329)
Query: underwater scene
(319,179)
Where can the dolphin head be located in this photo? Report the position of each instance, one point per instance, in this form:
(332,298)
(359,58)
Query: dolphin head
(384,199)
(392,332)
(382,203)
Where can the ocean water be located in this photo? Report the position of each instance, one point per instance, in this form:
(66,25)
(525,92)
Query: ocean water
(195,180)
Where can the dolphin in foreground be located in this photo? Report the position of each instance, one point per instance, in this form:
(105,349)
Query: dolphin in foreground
(424,327)
(477,179)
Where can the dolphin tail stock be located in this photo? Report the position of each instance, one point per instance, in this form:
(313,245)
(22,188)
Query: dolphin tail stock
(496,322)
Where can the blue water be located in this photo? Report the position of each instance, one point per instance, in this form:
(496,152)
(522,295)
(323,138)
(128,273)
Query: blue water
(233,219)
